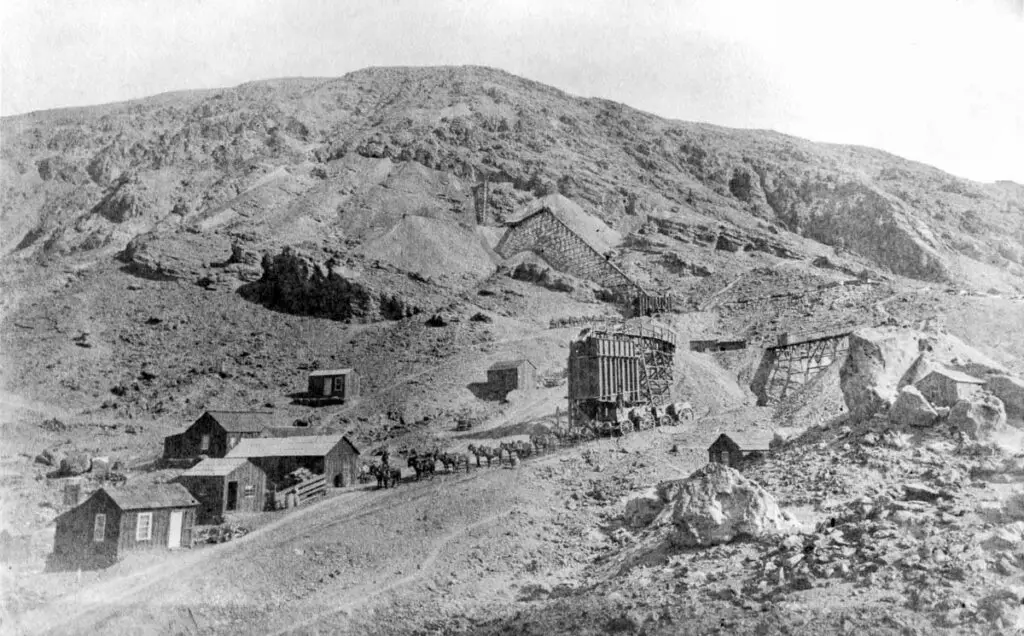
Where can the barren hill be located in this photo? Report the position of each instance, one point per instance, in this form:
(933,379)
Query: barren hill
(337,161)
(208,249)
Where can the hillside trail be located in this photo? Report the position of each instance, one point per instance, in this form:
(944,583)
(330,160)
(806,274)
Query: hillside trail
(362,596)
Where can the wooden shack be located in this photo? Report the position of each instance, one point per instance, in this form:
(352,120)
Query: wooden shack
(732,449)
(115,521)
(217,432)
(224,485)
(332,456)
(337,383)
(945,387)
(512,375)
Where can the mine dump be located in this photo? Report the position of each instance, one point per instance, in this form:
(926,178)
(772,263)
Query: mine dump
(446,351)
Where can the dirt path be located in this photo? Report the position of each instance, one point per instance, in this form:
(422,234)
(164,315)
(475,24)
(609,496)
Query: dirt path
(364,596)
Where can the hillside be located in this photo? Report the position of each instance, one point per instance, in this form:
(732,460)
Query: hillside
(335,162)
(208,249)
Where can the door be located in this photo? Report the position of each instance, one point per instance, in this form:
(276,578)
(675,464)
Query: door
(328,385)
(174,529)
(232,496)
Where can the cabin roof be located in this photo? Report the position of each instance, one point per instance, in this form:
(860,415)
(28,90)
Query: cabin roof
(749,441)
(319,373)
(956,376)
(153,496)
(215,467)
(510,364)
(243,421)
(302,446)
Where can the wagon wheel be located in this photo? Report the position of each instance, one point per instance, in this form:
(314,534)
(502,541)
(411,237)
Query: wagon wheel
(665,421)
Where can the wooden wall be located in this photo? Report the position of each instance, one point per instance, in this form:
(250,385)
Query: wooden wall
(161,525)
(212,492)
(73,544)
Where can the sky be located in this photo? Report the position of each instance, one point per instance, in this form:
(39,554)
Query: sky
(937,81)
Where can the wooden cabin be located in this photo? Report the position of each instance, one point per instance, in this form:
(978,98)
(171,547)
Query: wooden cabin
(945,387)
(115,521)
(340,384)
(512,375)
(224,485)
(217,432)
(732,449)
(332,456)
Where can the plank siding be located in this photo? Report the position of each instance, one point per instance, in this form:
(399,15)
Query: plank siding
(73,544)
(161,524)
(212,492)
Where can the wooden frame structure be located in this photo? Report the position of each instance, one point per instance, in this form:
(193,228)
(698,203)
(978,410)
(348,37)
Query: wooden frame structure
(615,366)
(793,363)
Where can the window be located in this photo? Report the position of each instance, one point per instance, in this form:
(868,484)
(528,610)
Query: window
(250,491)
(144,526)
(204,443)
(99,528)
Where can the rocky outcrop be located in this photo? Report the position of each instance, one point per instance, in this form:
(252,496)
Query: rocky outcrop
(911,408)
(1010,390)
(179,256)
(296,282)
(717,504)
(875,363)
(978,416)
(883,360)
(128,200)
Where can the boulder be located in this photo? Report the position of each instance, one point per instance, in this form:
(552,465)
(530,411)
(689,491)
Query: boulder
(75,464)
(641,510)
(875,364)
(978,415)
(912,408)
(717,504)
(51,458)
(1010,390)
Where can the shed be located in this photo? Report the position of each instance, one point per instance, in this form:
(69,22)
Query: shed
(512,375)
(945,387)
(115,521)
(332,456)
(223,485)
(341,384)
(732,448)
(217,432)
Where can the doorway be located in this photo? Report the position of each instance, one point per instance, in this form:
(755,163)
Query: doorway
(174,529)
(232,503)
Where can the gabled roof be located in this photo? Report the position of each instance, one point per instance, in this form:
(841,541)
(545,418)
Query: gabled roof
(325,372)
(749,441)
(151,497)
(215,467)
(304,446)
(510,364)
(956,376)
(242,421)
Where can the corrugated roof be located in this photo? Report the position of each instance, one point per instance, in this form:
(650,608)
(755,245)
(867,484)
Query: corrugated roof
(215,467)
(305,446)
(956,376)
(751,441)
(151,497)
(243,421)
(510,364)
(323,372)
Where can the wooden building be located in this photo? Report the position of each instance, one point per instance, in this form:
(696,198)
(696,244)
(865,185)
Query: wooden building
(115,521)
(342,384)
(512,375)
(945,387)
(732,449)
(332,456)
(224,485)
(217,432)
